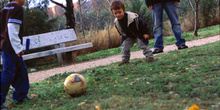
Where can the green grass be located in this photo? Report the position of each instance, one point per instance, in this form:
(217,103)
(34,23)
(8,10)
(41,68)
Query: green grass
(168,40)
(175,81)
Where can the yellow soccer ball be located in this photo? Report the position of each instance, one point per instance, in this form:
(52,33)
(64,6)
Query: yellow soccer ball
(75,85)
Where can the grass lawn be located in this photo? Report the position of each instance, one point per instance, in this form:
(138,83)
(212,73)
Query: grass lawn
(176,81)
(168,40)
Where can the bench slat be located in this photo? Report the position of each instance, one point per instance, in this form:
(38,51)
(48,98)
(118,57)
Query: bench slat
(51,38)
(58,50)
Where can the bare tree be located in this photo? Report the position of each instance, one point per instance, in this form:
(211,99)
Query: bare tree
(70,19)
(70,23)
(195,8)
(82,12)
(99,6)
(81,15)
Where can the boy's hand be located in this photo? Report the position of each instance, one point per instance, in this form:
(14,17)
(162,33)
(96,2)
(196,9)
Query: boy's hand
(146,36)
(176,2)
(151,7)
(19,54)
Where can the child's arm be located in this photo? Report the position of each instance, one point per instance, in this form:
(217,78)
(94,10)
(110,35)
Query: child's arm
(118,30)
(122,37)
(143,28)
(14,22)
(13,32)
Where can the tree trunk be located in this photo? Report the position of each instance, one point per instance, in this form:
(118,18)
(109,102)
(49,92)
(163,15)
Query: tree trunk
(70,14)
(196,18)
(81,17)
(109,38)
(196,25)
(70,23)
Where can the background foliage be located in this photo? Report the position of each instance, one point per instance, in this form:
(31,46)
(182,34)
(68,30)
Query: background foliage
(98,17)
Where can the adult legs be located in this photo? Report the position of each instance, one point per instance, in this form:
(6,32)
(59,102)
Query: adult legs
(157,14)
(170,9)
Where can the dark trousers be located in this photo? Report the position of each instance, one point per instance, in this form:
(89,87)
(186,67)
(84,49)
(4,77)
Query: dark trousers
(17,77)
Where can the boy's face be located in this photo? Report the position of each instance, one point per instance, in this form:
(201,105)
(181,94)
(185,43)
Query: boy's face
(119,13)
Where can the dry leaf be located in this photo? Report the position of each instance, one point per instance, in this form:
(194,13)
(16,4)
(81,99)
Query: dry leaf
(81,103)
(199,54)
(33,95)
(98,107)
(10,106)
(132,83)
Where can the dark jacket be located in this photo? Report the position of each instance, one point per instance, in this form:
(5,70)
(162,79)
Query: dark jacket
(136,26)
(12,13)
(151,2)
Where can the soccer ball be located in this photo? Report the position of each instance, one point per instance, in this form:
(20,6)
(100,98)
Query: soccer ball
(75,85)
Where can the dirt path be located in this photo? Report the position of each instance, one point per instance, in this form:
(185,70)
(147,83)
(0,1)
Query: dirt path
(41,75)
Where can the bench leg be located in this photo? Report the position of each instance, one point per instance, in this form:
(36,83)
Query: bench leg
(69,57)
(60,56)
(65,58)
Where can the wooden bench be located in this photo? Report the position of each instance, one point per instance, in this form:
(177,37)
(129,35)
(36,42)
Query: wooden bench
(57,38)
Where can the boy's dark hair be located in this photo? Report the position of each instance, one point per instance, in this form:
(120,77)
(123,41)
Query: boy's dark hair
(117,5)
(10,0)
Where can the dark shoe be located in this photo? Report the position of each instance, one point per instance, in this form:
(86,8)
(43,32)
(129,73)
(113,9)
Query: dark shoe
(23,100)
(182,47)
(123,62)
(150,59)
(157,51)
(3,107)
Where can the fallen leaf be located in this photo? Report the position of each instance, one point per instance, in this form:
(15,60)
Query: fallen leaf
(98,107)
(184,101)
(10,106)
(33,95)
(81,103)
(108,78)
(120,74)
(132,83)
(171,92)
(199,54)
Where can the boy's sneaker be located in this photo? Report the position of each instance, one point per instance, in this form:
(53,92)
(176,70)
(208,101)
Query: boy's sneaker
(150,59)
(123,62)
(3,107)
(157,51)
(182,47)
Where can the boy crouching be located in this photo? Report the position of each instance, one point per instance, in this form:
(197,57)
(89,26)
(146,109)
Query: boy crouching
(131,28)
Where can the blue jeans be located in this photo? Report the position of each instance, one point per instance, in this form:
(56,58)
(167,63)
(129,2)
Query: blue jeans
(18,80)
(157,15)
